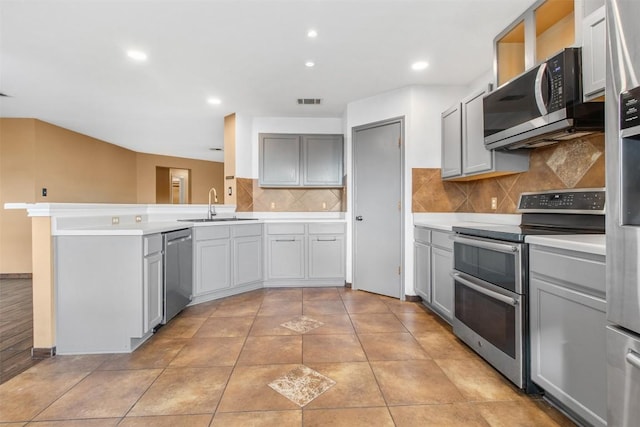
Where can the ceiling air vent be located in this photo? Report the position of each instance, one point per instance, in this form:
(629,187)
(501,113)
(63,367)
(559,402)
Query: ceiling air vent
(309,101)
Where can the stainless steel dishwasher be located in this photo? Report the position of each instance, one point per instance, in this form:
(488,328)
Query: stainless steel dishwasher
(178,272)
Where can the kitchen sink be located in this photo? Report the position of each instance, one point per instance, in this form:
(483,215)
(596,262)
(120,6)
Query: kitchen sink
(221,219)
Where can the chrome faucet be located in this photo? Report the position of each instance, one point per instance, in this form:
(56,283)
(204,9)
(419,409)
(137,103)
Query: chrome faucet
(212,208)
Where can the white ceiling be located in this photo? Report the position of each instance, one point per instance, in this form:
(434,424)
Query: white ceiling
(64,62)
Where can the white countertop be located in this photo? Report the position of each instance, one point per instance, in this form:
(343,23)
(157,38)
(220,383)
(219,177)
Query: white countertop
(446,221)
(589,243)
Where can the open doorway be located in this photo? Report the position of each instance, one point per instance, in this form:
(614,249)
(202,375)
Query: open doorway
(173,185)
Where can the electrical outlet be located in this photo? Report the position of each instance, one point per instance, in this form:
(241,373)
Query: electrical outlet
(44,191)
(324,206)
(494,203)
(115,220)
(273,205)
(138,218)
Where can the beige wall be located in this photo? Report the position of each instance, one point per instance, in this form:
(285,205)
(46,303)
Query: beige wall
(17,180)
(204,175)
(75,168)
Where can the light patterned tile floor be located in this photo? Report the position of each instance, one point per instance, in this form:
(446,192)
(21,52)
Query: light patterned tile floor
(393,363)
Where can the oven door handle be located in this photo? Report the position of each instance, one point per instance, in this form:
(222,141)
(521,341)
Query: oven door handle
(500,247)
(491,294)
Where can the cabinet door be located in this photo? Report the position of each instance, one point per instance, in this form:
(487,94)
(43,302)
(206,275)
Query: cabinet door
(247,260)
(422,270)
(322,157)
(152,289)
(568,348)
(441,281)
(326,256)
(451,142)
(213,265)
(279,160)
(475,157)
(285,257)
(594,34)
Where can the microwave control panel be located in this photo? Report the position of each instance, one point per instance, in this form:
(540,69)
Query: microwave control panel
(555,68)
(630,108)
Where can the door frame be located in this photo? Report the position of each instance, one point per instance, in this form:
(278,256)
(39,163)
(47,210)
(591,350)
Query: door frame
(400,120)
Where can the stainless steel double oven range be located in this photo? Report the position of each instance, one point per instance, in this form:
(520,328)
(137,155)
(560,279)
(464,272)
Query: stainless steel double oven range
(491,272)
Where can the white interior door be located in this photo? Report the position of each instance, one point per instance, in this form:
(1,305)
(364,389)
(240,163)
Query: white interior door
(377,170)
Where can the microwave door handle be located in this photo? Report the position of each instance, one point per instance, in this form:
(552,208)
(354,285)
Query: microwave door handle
(491,294)
(540,81)
(633,359)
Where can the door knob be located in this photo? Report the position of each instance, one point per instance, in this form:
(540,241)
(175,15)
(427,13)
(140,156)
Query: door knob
(359,218)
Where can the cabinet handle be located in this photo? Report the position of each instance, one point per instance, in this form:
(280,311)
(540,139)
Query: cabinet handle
(333,239)
(285,240)
(633,359)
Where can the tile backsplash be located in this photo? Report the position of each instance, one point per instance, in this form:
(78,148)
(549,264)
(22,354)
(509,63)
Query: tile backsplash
(253,198)
(571,164)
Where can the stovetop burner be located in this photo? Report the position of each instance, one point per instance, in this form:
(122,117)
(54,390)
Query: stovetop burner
(553,212)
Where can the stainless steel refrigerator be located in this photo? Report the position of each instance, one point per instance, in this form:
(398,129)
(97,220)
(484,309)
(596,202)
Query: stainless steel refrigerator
(623,211)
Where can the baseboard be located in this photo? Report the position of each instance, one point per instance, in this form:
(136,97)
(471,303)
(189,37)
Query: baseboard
(412,298)
(43,353)
(16,275)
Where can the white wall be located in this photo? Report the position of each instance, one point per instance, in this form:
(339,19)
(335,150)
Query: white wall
(421,107)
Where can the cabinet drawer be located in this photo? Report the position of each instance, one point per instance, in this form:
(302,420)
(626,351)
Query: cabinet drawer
(581,269)
(212,232)
(422,235)
(442,239)
(290,228)
(152,244)
(247,230)
(326,228)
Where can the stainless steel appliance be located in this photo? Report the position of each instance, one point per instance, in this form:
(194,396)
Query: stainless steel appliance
(623,222)
(178,272)
(491,278)
(542,106)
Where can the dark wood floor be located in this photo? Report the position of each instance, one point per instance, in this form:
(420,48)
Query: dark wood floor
(16,327)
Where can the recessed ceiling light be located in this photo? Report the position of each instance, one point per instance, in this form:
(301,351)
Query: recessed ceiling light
(420,65)
(214,101)
(312,34)
(309,64)
(137,55)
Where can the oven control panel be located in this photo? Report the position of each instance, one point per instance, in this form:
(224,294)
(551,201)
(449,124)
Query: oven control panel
(589,200)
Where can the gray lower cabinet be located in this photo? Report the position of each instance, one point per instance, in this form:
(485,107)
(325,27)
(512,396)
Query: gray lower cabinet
(305,254)
(568,339)
(228,259)
(422,263)
(433,261)
(290,160)
(108,292)
(152,281)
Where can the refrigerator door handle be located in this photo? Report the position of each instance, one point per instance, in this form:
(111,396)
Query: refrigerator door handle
(633,359)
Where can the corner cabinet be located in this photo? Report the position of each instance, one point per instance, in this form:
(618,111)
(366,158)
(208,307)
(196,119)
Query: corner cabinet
(568,338)
(287,160)
(227,260)
(464,156)
(433,263)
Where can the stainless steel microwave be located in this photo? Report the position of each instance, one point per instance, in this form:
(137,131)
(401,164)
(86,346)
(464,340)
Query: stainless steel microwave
(542,106)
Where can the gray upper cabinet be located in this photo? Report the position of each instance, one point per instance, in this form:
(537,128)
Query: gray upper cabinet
(301,160)
(280,160)
(451,147)
(322,160)
(475,157)
(464,156)
(594,54)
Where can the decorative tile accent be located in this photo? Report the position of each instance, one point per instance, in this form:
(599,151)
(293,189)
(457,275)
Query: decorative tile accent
(571,164)
(253,198)
(302,324)
(301,385)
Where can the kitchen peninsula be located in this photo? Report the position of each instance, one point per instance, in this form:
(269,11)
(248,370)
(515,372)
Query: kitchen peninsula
(95,292)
